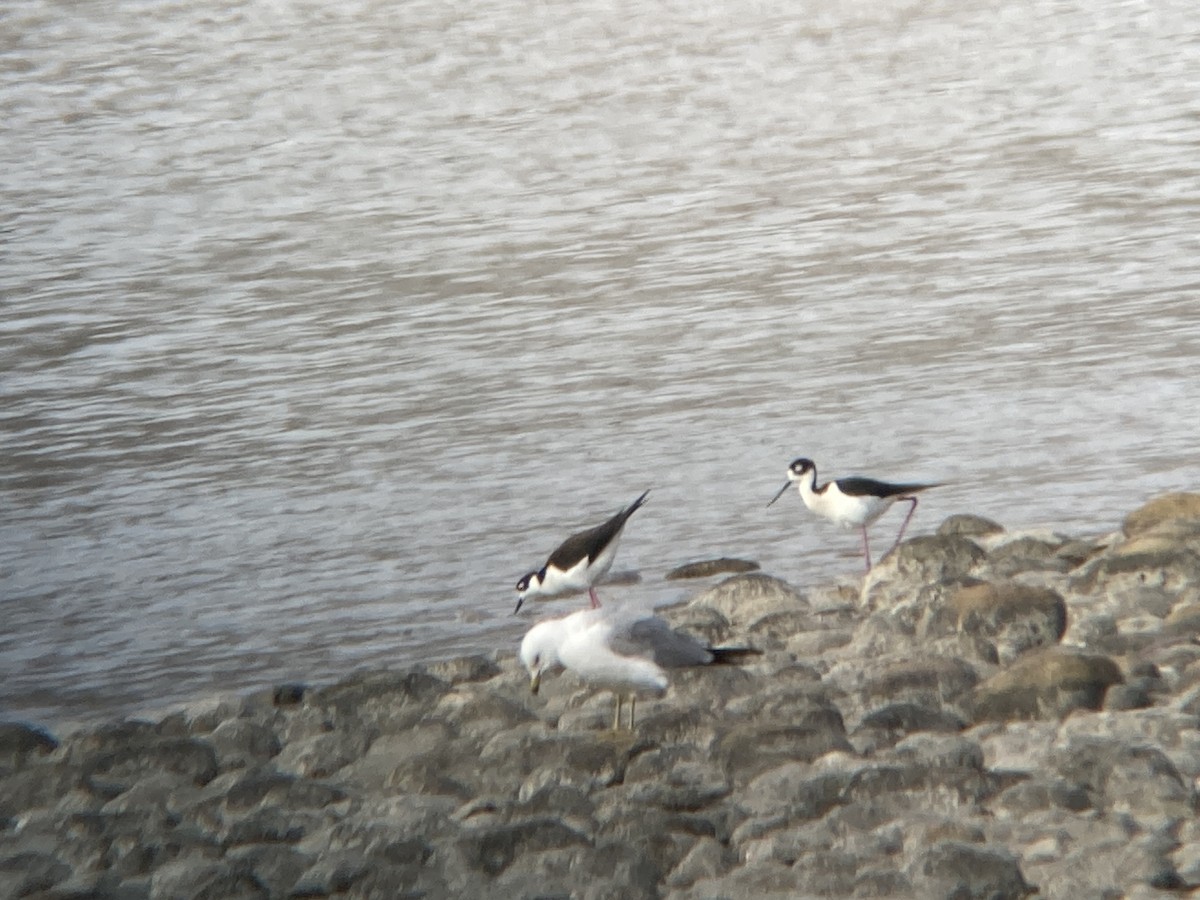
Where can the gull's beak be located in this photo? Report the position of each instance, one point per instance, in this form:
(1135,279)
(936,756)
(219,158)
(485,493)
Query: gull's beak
(520,600)
(535,681)
(786,485)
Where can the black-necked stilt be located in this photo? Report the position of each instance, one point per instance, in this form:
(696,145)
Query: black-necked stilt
(852,502)
(621,649)
(579,562)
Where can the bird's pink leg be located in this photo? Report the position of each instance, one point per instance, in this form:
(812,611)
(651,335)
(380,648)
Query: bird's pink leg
(911,509)
(866,548)
(595,600)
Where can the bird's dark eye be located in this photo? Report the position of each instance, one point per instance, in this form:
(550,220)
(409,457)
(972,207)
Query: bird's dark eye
(523,583)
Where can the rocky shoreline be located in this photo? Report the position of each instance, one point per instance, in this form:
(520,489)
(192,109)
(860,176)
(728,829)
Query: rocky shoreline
(986,715)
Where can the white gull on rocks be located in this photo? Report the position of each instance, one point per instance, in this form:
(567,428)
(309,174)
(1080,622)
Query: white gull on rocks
(626,650)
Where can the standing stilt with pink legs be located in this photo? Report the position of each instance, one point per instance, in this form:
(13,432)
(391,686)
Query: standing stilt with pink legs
(853,502)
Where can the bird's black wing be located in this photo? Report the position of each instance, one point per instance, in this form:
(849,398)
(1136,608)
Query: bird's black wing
(591,543)
(856,486)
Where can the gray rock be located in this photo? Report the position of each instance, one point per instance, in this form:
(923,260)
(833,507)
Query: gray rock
(322,755)
(1041,794)
(239,743)
(957,871)
(709,567)
(1046,683)
(277,867)
(924,680)
(884,726)
(492,849)
(465,669)
(746,598)
(748,749)
(1012,618)
(25,873)
(266,785)
(376,703)
(110,772)
(966,525)
(706,859)
(1125,777)
(19,743)
(1162,513)
(918,573)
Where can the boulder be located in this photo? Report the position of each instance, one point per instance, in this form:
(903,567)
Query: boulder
(742,599)
(708,567)
(1010,617)
(1046,683)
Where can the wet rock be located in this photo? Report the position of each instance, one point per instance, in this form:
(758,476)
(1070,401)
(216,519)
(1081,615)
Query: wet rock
(1040,794)
(965,525)
(465,669)
(709,567)
(932,682)
(423,748)
(266,785)
(1028,553)
(110,772)
(578,759)
(884,727)
(203,716)
(1165,510)
(20,742)
(1123,776)
(910,573)
(1046,683)
(239,743)
(27,873)
(765,879)
(288,694)
(492,849)
(336,873)
(322,755)
(1011,617)
(813,728)
(707,858)
(276,867)
(1154,561)
(378,702)
(951,869)
(1183,620)
(478,710)
(745,598)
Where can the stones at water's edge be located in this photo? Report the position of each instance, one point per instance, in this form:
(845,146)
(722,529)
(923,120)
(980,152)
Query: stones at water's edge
(990,715)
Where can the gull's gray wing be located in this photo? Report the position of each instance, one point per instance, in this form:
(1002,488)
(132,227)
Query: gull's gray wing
(653,638)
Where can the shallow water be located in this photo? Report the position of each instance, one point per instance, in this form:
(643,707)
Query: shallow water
(325,322)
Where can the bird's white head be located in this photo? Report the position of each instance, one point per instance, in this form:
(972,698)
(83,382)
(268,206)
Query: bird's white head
(528,584)
(539,650)
(800,471)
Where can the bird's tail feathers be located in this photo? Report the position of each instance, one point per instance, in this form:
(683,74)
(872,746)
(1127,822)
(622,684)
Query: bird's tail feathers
(726,656)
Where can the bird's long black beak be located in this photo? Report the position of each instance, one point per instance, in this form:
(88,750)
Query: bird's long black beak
(786,485)
(520,600)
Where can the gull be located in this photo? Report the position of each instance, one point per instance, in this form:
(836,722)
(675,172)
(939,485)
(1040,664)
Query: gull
(625,650)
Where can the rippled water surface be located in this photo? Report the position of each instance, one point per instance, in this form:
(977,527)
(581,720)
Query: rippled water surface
(323,322)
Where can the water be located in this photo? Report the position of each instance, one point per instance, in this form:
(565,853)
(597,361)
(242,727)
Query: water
(323,322)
